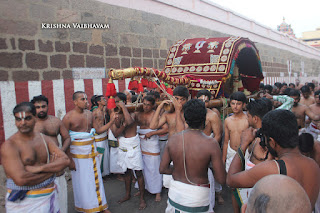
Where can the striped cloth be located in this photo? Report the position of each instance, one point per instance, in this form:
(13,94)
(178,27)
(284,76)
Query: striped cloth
(59,92)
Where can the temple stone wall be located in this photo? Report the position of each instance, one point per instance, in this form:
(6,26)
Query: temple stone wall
(29,50)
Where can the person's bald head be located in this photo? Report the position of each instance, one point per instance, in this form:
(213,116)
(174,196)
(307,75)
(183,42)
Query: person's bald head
(277,193)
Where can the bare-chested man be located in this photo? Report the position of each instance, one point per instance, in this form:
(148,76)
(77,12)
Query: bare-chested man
(314,127)
(301,110)
(129,155)
(298,85)
(306,99)
(30,160)
(150,147)
(174,120)
(233,127)
(311,148)
(213,122)
(88,189)
(181,95)
(280,131)
(128,95)
(52,127)
(255,153)
(191,152)
(213,126)
(102,123)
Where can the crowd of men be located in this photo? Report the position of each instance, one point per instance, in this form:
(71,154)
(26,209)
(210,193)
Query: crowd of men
(266,151)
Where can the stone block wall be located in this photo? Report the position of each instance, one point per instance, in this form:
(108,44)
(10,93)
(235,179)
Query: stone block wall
(29,51)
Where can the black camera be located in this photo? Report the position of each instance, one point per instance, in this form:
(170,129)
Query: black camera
(262,137)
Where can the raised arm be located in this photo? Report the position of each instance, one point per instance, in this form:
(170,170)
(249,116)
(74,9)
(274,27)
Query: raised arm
(180,126)
(105,127)
(157,121)
(117,131)
(14,168)
(287,102)
(236,177)
(127,117)
(164,129)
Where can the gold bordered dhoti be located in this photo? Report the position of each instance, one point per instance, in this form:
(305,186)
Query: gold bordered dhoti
(88,189)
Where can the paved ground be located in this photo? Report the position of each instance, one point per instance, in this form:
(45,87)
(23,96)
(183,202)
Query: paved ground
(115,191)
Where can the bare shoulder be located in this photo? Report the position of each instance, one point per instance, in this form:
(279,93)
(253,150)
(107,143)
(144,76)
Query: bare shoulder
(317,146)
(210,140)
(228,119)
(211,114)
(7,145)
(68,115)
(88,112)
(216,111)
(313,105)
(96,112)
(54,119)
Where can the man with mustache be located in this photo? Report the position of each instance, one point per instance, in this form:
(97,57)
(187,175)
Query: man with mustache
(52,127)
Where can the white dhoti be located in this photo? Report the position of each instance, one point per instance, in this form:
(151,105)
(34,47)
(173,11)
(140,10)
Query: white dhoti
(40,200)
(103,150)
(184,197)
(317,205)
(313,130)
(230,154)
(88,189)
(212,193)
(114,150)
(129,156)
(151,161)
(62,192)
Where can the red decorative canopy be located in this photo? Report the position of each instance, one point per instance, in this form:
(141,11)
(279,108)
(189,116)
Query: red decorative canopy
(209,62)
(220,65)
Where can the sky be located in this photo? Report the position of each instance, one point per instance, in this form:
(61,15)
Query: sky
(302,15)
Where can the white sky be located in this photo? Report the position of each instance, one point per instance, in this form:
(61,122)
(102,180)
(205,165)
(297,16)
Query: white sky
(303,15)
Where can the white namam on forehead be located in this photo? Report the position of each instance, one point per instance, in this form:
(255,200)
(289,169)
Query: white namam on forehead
(204,97)
(22,115)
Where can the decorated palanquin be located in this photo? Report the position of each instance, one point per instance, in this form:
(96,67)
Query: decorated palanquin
(220,65)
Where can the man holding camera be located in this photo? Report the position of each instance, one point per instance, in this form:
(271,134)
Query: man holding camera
(280,135)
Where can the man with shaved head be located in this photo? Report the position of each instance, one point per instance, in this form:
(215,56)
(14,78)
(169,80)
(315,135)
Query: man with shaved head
(277,193)
(88,189)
